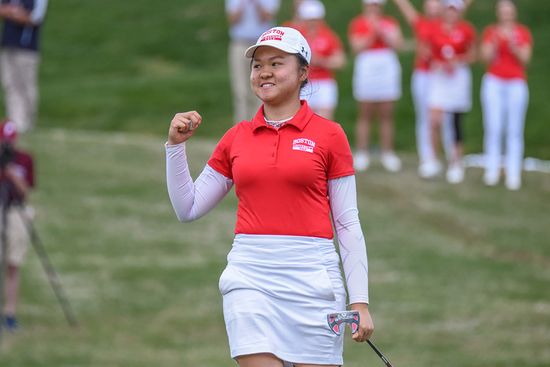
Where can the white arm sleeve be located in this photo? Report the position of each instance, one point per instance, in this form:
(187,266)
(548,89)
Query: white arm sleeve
(39,11)
(191,200)
(353,251)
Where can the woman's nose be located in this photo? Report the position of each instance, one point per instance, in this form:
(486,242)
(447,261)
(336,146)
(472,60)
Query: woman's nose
(266,73)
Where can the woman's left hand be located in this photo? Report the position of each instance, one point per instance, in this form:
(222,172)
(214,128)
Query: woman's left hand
(366,326)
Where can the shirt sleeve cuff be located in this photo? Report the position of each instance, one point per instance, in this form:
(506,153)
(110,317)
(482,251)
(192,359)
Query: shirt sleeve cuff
(174,146)
(359,299)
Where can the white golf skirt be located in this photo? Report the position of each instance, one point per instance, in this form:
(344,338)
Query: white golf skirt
(451,92)
(277,292)
(321,94)
(377,76)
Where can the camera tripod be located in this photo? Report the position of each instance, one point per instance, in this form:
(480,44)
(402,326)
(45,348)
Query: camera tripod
(38,246)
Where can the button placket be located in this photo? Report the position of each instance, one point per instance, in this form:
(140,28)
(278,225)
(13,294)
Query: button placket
(276,146)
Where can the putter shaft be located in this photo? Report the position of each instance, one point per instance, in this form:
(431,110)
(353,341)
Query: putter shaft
(382,357)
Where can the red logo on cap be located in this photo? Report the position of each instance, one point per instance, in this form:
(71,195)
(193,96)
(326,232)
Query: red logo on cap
(272,35)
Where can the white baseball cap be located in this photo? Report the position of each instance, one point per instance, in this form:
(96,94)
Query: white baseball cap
(285,39)
(381,2)
(311,9)
(457,4)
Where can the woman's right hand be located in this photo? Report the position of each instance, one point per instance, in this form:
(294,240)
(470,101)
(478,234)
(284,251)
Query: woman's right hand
(366,326)
(183,126)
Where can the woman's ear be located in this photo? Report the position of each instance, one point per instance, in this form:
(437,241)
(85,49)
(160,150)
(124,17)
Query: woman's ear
(304,73)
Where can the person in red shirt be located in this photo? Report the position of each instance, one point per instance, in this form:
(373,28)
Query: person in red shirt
(16,181)
(293,175)
(374,38)
(327,57)
(295,21)
(506,47)
(423,25)
(452,44)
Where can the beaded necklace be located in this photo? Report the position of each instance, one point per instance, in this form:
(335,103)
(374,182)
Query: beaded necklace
(276,124)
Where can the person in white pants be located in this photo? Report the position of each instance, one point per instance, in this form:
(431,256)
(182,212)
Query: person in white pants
(247,19)
(506,48)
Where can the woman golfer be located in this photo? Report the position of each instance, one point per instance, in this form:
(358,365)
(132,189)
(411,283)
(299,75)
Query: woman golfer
(506,47)
(293,172)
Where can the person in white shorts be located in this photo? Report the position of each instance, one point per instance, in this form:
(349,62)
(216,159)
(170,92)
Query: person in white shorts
(506,48)
(16,182)
(452,45)
(292,171)
(374,38)
(327,57)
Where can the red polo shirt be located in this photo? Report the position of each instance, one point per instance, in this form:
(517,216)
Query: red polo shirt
(505,64)
(323,43)
(281,176)
(423,28)
(360,26)
(448,44)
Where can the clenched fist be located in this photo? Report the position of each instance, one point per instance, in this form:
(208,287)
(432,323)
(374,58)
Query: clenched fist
(183,126)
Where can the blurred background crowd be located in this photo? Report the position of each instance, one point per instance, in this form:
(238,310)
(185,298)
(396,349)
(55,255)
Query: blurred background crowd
(445,45)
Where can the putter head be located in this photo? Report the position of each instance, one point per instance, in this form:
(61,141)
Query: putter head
(337,321)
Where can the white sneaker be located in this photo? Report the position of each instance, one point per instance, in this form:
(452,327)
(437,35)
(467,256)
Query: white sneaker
(491,179)
(430,168)
(455,173)
(390,161)
(513,183)
(361,160)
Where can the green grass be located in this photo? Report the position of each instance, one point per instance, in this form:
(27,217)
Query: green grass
(458,274)
(129,66)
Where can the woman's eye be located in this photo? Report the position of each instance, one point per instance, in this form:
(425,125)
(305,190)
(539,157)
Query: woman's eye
(256,66)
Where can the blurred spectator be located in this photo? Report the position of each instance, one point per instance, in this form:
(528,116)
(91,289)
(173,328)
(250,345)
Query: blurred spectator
(374,38)
(453,49)
(327,56)
(16,179)
(422,25)
(506,47)
(19,58)
(295,21)
(248,19)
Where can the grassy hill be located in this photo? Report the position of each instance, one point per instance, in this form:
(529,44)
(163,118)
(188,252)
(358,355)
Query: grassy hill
(129,66)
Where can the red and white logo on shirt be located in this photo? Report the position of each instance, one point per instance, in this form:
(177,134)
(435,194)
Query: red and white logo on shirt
(303,144)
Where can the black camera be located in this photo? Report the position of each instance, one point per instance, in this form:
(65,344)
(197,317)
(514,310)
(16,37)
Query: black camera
(7,154)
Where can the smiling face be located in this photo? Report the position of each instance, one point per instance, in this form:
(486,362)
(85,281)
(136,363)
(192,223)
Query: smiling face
(276,76)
